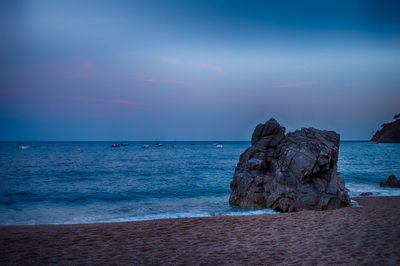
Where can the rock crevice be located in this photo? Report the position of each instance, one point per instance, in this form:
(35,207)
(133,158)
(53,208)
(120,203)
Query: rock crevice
(291,172)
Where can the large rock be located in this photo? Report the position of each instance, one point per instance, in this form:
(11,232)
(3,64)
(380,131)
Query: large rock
(292,172)
(390,132)
(392,181)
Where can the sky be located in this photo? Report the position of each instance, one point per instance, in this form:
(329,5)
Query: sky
(196,70)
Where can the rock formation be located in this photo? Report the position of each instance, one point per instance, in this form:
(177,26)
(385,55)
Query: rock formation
(392,181)
(390,132)
(290,172)
(366,194)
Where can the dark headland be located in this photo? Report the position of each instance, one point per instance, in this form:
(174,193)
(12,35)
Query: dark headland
(389,132)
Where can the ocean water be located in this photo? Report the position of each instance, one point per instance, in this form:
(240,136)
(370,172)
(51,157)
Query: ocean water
(54,183)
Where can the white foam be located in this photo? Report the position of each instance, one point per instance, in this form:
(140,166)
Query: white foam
(355,204)
(356,189)
(172,215)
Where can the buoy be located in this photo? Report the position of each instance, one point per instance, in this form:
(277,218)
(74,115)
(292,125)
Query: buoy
(185,149)
(78,149)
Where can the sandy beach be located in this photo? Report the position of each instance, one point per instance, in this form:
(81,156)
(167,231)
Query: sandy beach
(357,235)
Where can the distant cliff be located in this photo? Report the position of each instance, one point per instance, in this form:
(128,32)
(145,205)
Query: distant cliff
(390,132)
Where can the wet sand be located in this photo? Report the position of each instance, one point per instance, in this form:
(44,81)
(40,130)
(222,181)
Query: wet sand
(366,235)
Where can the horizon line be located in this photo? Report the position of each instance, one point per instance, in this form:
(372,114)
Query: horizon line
(121,141)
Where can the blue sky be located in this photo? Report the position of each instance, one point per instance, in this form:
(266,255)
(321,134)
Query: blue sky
(196,70)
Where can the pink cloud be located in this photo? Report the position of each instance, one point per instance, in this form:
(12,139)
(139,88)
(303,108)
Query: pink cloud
(164,81)
(170,60)
(211,67)
(146,82)
(77,69)
(85,68)
(287,84)
(83,99)
(174,81)
(151,80)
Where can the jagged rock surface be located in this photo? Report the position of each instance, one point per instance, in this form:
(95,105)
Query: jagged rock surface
(292,172)
(390,132)
(392,181)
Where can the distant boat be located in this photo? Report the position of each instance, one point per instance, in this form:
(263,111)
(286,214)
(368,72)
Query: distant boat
(115,145)
(159,144)
(23,147)
(219,146)
(146,146)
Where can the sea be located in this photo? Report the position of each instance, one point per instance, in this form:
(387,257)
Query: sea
(92,182)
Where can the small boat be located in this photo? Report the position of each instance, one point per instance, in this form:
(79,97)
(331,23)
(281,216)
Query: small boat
(219,146)
(115,145)
(146,146)
(159,144)
(23,147)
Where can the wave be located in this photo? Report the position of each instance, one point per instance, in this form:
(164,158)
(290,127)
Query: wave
(356,189)
(101,196)
(172,215)
(167,215)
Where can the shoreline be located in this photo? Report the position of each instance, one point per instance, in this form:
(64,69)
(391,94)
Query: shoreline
(182,215)
(353,235)
(172,218)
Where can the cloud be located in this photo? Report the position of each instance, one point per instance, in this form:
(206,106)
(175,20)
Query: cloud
(164,81)
(77,69)
(85,68)
(83,99)
(211,67)
(171,60)
(151,80)
(287,84)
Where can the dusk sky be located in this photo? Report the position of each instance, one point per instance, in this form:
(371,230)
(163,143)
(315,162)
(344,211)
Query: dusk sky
(196,70)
